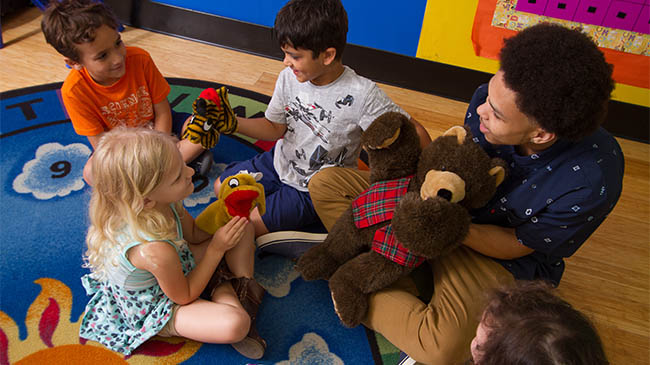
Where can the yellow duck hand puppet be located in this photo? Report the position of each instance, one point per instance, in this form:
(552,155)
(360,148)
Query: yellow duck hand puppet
(238,196)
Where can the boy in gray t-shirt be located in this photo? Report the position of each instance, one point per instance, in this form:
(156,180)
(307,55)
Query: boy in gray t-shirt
(324,122)
(317,113)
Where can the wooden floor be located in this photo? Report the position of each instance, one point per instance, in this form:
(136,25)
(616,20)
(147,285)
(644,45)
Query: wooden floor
(608,278)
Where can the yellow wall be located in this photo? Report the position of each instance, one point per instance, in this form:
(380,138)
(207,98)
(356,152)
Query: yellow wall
(446,38)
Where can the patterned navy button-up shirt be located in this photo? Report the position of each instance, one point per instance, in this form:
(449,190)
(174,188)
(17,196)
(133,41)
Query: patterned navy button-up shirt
(555,199)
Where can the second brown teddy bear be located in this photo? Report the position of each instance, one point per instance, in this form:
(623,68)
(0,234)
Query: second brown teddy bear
(416,208)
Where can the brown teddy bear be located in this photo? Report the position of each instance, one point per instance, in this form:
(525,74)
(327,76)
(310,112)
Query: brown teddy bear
(416,208)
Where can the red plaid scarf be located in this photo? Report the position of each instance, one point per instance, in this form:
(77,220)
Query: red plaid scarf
(376,205)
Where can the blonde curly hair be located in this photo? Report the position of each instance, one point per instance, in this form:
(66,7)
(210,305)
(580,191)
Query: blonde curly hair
(128,164)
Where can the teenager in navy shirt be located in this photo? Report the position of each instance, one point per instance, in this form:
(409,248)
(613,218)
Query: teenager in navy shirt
(553,199)
(541,112)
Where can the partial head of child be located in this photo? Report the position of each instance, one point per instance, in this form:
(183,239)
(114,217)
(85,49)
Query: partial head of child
(138,174)
(314,25)
(312,34)
(528,324)
(85,33)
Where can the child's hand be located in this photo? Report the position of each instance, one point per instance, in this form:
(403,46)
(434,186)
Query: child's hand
(229,235)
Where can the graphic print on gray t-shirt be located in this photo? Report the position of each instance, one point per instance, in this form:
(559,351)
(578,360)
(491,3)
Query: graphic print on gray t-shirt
(324,123)
(348,100)
(305,114)
(316,118)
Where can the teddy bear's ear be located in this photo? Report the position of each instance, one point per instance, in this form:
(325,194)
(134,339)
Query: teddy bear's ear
(457,131)
(499,173)
(387,142)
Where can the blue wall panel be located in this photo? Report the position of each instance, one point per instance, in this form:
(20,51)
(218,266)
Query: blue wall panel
(381,24)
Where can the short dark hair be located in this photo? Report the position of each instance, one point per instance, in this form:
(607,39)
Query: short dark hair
(528,324)
(561,79)
(69,22)
(315,25)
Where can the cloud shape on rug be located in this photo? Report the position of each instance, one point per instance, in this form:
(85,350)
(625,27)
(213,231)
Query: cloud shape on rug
(57,170)
(275,273)
(312,349)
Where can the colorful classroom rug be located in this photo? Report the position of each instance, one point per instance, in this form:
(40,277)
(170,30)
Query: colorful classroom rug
(42,230)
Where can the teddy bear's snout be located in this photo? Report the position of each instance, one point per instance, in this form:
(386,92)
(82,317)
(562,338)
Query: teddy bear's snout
(443,184)
(445,194)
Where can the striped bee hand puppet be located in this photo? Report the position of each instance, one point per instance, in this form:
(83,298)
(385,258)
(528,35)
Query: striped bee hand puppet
(211,115)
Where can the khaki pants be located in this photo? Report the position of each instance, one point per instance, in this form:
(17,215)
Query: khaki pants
(333,189)
(441,331)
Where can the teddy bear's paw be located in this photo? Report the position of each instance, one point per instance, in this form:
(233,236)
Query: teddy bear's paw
(316,264)
(413,213)
(308,271)
(429,227)
(350,304)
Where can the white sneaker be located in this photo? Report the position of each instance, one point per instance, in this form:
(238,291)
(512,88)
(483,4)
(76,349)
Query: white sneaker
(289,243)
(405,359)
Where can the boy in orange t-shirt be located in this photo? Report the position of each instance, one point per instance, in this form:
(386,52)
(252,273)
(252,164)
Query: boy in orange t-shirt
(109,84)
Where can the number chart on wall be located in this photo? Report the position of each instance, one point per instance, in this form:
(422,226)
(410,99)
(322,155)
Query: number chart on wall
(621,25)
(621,28)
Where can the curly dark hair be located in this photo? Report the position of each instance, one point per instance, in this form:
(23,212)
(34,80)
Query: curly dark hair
(560,77)
(528,324)
(69,22)
(315,25)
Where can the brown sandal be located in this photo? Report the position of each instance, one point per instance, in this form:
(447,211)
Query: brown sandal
(250,295)
(221,275)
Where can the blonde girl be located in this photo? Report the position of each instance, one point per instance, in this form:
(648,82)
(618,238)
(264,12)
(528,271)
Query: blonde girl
(145,279)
